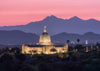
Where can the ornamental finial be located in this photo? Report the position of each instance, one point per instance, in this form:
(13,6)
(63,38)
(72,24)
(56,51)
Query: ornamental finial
(44,28)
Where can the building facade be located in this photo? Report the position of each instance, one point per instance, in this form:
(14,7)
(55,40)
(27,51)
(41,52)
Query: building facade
(44,46)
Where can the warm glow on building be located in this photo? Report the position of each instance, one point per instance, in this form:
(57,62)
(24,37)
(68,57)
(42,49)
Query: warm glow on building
(44,46)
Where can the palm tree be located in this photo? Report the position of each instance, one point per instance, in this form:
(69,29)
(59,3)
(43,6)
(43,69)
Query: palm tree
(78,40)
(68,41)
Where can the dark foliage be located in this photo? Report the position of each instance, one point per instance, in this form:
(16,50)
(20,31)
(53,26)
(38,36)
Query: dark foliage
(13,60)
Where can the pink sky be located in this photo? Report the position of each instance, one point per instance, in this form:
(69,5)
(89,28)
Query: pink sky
(20,12)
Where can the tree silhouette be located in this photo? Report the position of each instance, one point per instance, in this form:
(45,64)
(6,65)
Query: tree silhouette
(7,50)
(16,50)
(68,41)
(6,57)
(78,40)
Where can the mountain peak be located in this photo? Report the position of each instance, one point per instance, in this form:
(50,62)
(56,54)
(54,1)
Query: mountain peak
(92,20)
(75,18)
(51,18)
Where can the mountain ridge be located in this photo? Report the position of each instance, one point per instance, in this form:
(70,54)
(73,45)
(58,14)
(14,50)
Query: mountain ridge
(57,25)
(16,37)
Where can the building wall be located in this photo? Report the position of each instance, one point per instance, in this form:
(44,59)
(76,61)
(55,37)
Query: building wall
(31,50)
(45,49)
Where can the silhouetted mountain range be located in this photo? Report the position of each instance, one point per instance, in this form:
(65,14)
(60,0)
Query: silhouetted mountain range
(57,25)
(19,37)
(89,36)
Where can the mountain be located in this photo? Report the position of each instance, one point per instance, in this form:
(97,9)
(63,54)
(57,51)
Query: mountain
(57,25)
(15,37)
(63,37)
(75,19)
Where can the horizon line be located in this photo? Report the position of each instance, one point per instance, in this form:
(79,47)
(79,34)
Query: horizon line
(54,16)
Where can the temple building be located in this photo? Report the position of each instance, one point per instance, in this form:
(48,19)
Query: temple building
(44,46)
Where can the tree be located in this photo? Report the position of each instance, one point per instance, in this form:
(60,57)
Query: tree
(21,57)
(5,57)
(27,67)
(7,50)
(79,47)
(78,40)
(98,44)
(68,41)
(16,50)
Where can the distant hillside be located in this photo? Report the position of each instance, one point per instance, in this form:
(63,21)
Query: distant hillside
(63,37)
(57,25)
(19,37)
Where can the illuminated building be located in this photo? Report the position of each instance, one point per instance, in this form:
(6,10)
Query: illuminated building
(87,49)
(44,46)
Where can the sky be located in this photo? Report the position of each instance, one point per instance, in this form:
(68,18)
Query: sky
(21,12)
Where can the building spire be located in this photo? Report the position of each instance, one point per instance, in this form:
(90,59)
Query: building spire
(44,28)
